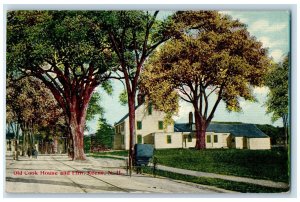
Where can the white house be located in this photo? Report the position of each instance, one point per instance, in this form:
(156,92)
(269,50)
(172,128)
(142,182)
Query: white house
(227,135)
(150,130)
(148,121)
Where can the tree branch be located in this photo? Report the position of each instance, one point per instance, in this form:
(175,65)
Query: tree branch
(212,91)
(186,100)
(205,101)
(216,104)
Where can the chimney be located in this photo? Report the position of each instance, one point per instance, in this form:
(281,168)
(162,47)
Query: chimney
(191,123)
(191,118)
(140,98)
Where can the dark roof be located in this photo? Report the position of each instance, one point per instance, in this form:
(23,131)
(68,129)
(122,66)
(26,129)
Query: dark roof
(126,115)
(237,130)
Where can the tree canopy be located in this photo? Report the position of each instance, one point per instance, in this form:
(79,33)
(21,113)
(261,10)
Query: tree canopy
(68,51)
(32,108)
(210,54)
(134,35)
(278,98)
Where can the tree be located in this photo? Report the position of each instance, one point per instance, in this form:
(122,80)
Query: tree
(105,133)
(94,107)
(30,107)
(210,54)
(278,98)
(68,52)
(134,35)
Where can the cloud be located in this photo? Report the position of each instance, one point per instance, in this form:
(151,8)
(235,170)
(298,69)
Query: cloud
(277,55)
(226,12)
(241,18)
(266,26)
(268,43)
(245,105)
(261,90)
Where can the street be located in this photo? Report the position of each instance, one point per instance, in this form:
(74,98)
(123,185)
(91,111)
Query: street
(58,174)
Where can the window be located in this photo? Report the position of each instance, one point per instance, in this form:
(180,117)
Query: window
(139,125)
(117,129)
(190,138)
(122,127)
(169,139)
(122,139)
(160,125)
(139,139)
(150,108)
(215,138)
(208,139)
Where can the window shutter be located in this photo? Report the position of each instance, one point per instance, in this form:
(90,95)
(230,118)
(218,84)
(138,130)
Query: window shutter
(160,125)
(215,138)
(139,125)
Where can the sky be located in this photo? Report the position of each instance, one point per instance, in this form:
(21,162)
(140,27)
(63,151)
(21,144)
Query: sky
(269,27)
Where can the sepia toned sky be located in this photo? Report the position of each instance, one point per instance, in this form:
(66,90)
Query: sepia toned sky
(269,27)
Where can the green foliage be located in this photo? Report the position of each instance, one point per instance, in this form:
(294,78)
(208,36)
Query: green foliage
(94,107)
(278,82)
(105,133)
(268,164)
(69,52)
(87,144)
(66,39)
(117,153)
(275,133)
(107,87)
(210,53)
(123,98)
(106,157)
(260,164)
(278,98)
(65,49)
(134,35)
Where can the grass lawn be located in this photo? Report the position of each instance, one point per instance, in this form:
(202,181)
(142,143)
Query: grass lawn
(104,156)
(261,164)
(116,153)
(220,183)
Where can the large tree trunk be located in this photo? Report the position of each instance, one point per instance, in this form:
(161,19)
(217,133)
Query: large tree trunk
(78,146)
(200,132)
(77,122)
(131,105)
(77,130)
(23,143)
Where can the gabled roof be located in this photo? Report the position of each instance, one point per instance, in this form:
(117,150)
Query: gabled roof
(126,115)
(237,130)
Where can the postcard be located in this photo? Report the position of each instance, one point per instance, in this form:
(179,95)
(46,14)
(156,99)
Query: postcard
(137,101)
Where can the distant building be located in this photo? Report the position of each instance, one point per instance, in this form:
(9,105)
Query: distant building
(226,135)
(150,130)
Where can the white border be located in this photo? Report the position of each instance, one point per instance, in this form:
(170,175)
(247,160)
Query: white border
(168,5)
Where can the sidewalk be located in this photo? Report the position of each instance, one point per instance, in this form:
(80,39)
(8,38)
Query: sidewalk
(267,183)
(59,174)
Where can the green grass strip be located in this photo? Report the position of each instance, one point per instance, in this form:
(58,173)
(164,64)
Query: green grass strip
(220,183)
(105,157)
